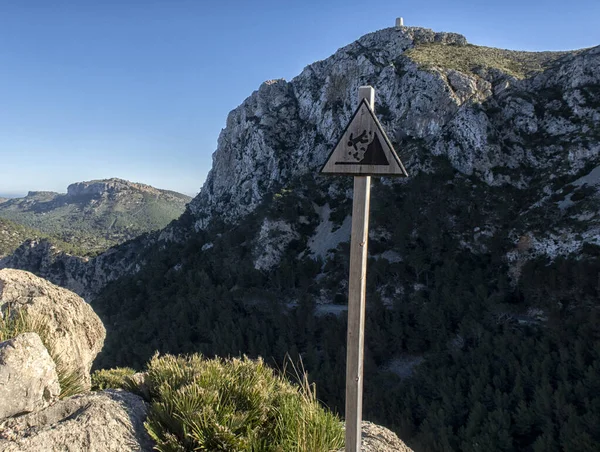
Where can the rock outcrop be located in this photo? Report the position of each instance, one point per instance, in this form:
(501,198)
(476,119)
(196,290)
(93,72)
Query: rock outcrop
(28,379)
(121,187)
(108,421)
(32,419)
(76,332)
(83,276)
(376,438)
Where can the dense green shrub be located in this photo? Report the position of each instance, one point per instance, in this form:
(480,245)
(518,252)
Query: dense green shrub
(234,405)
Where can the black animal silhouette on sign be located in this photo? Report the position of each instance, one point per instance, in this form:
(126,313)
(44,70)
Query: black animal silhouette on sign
(365,149)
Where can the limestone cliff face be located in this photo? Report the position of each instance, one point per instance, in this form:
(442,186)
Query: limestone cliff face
(83,276)
(287,128)
(485,120)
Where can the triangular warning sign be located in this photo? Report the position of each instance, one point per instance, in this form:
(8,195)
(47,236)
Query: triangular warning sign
(364,149)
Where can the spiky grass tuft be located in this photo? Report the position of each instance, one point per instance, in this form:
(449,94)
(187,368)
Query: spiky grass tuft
(117,378)
(234,405)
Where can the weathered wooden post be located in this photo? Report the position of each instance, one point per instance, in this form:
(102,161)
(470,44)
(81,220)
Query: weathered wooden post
(363,150)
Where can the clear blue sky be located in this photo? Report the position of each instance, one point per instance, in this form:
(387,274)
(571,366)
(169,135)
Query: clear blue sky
(140,89)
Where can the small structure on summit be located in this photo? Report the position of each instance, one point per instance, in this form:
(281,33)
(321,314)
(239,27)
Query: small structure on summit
(399,22)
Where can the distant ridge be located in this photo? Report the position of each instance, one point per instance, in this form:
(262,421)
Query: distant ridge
(95,215)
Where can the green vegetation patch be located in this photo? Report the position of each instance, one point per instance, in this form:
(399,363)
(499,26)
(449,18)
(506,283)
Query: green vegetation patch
(470,58)
(234,405)
(88,224)
(13,324)
(112,378)
(12,235)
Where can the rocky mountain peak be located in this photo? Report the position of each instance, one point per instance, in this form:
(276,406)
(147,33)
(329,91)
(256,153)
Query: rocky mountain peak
(524,120)
(41,194)
(107,186)
(435,95)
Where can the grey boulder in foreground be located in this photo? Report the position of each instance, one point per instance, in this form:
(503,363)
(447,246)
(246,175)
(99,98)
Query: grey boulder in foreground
(28,380)
(107,421)
(376,438)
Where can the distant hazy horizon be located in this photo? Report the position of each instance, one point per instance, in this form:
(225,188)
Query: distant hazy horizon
(12,195)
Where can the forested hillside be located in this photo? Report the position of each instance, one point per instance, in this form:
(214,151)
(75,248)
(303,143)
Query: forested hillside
(12,235)
(511,367)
